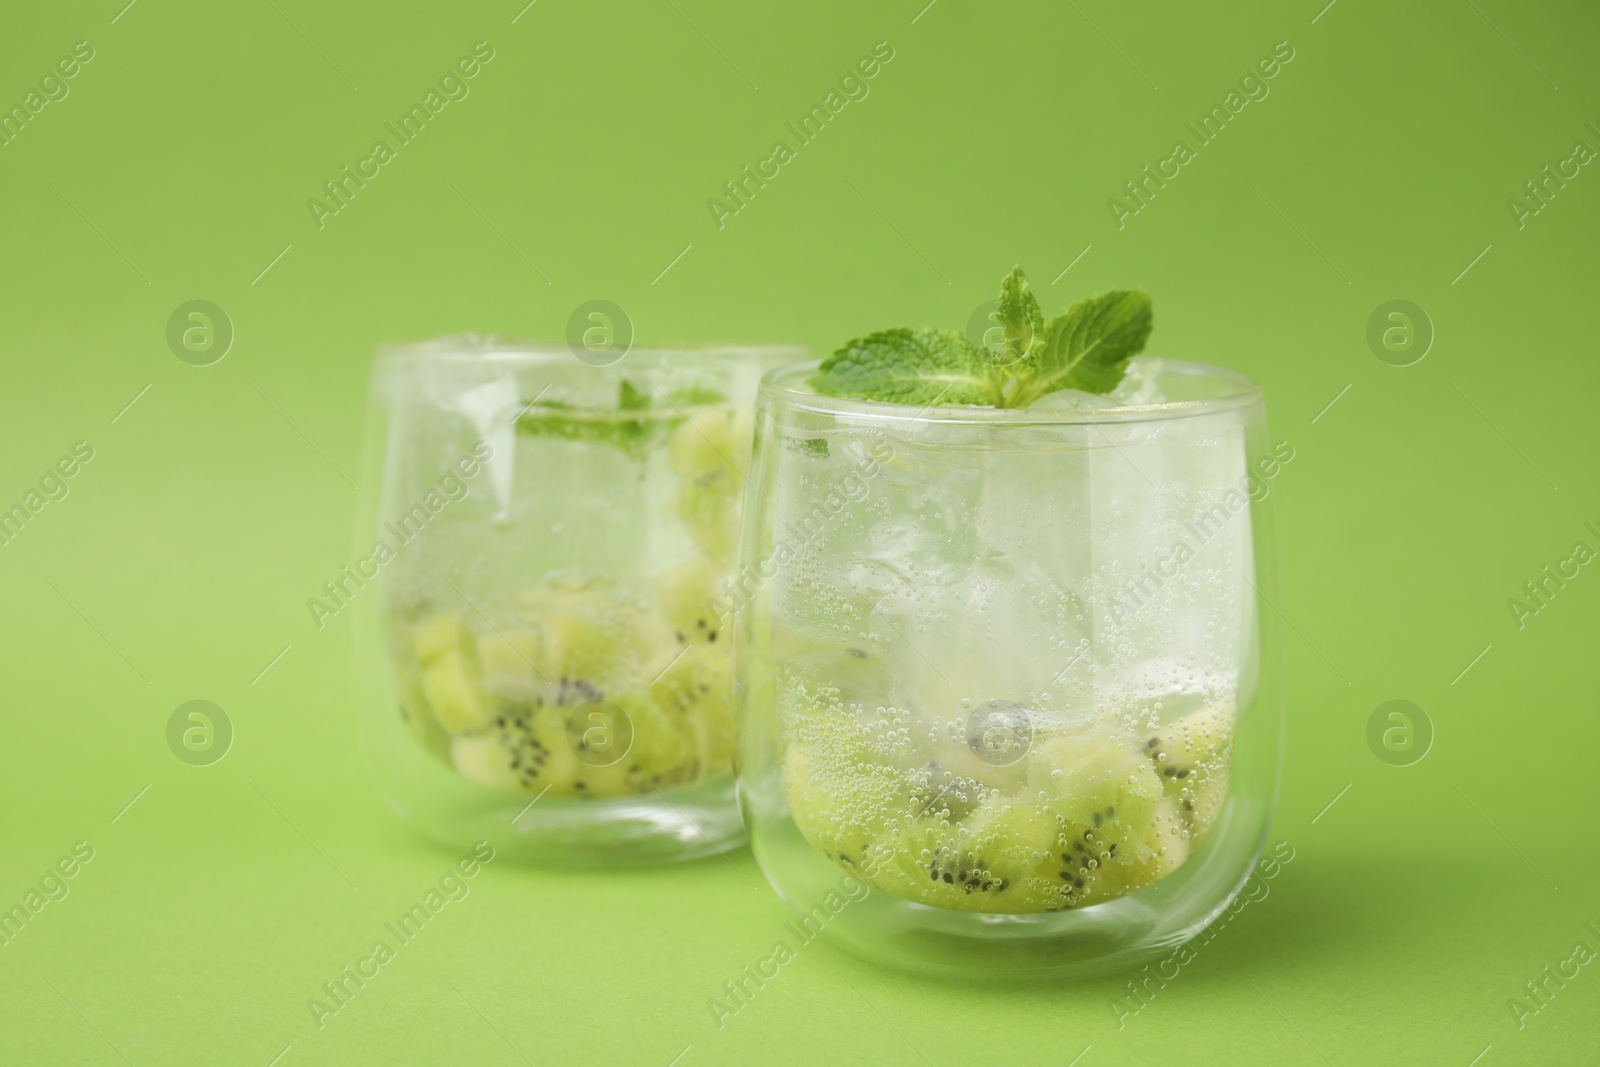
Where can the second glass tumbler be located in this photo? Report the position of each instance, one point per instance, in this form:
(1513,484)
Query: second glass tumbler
(547,666)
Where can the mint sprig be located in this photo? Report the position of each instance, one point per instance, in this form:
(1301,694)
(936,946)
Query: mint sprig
(1086,347)
(632,426)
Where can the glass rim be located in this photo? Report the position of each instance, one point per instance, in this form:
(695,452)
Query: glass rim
(477,348)
(775,386)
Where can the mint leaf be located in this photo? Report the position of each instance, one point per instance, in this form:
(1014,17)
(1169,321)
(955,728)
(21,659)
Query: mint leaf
(1088,346)
(567,423)
(629,432)
(633,425)
(631,398)
(694,396)
(910,367)
(1020,318)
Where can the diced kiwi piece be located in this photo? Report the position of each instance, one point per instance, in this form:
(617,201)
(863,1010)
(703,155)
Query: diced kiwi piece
(693,687)
(511,661)
(1098,783)
(453,693)
(684,593)
(1166,847)
(587,649)
(595,637)
(708,454)
(1001,858)
(420,721)
(523,749)
(849,806)
(485,758)
(661,756)
(939,792)
(1191,757)
(705,443)
(436,635)
(959,762)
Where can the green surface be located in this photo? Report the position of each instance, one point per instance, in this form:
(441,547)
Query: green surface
(178,564)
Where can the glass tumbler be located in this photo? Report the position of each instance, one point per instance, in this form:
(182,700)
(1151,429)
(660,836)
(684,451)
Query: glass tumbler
(1009,682)
(544,660)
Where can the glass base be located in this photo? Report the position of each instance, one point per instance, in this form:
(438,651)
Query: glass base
(1108,938)
(645,830)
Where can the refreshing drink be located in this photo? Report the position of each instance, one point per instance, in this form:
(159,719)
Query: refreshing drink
(555,661)
(1006,678)
(1001,657)
(606,674)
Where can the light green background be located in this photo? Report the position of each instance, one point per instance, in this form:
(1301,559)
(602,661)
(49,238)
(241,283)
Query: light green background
(1378,168)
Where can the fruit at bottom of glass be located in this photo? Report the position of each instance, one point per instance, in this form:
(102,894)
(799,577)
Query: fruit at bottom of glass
(1087,815)
(586,688)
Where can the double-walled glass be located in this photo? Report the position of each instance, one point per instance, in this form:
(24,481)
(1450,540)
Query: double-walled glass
(1009,682)
(537,563)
